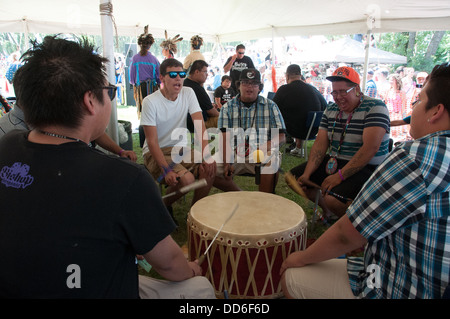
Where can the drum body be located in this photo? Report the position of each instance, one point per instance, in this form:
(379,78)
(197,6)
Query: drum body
(246,257)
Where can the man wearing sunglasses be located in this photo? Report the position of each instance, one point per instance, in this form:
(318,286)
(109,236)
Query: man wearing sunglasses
(167,144)
(77,215)
(236,63)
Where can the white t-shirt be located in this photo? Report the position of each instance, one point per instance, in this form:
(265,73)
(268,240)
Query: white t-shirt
(168,116)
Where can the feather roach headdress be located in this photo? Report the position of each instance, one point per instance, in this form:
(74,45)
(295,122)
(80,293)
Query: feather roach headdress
(146,38)
(196,42)
(171,44)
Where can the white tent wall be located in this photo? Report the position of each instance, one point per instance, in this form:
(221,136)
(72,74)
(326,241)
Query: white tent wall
(224,21)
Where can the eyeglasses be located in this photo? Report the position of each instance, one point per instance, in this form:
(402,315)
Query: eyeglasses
(241,52)
(342,93)
(250,83)
(111,91)
(173,74)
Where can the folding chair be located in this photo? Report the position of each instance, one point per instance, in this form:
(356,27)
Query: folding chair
(312,121)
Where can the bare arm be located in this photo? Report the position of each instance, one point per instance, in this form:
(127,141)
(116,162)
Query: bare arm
(151,136)
(213,112)
(108,144)
(168,260)
(318,152)
(398,123)
(228,66)
(372,137)
(200,128)
(339,239)
(217,100)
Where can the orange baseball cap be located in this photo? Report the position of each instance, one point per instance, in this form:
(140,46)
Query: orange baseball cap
(345,73)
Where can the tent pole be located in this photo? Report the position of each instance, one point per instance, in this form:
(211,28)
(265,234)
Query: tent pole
(273,60)
(371,22)
(25,31)
(366,60)
(108,52)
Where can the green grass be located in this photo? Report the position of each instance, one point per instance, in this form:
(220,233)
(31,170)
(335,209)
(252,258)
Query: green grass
(182,206)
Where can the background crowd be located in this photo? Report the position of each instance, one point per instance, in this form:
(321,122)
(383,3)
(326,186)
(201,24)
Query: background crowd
(397,86)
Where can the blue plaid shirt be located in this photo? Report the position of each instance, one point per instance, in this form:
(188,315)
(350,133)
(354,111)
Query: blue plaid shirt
(404,212)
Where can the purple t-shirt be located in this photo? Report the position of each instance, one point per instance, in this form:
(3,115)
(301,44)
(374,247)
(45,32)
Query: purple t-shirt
(144,68)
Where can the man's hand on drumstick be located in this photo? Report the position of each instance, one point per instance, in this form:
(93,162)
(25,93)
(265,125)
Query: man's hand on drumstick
(330,182)
(303,181)
(172,178)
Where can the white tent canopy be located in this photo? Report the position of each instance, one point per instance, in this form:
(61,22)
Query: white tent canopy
(225,21)
(347,50)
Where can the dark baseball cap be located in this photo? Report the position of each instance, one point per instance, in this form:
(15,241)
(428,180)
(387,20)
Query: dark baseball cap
(250,75)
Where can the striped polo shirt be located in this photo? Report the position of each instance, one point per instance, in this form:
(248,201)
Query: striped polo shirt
(371,112)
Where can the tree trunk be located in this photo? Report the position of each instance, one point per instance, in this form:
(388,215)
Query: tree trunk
(434,44)
(411,45)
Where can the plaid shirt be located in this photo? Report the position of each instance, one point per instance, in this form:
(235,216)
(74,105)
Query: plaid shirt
(404,212)
(264,114)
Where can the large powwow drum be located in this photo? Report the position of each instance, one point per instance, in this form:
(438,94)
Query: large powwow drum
(246,256)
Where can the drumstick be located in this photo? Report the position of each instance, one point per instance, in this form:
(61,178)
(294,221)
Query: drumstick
(330,192)
(202,257)
(188,188)
(292,182)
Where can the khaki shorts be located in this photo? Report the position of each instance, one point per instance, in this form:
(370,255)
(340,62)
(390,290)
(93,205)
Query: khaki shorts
(155,170)
(194,288)
(325,280)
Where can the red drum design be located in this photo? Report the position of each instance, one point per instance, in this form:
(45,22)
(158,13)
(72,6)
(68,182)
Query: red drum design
(246,256)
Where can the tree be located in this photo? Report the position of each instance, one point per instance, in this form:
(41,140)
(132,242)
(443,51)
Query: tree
(423,49)
(434,44)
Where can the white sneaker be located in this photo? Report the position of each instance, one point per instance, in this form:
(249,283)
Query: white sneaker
(298,152)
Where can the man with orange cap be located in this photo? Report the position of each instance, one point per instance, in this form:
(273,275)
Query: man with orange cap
(353,139)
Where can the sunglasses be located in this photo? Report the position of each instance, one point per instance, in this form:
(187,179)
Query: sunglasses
(173,74)
(112,89)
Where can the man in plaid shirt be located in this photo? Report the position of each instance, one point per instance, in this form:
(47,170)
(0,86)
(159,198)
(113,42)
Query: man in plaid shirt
(402,214)
(258,127)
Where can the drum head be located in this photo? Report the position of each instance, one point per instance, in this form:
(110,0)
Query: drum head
(258,213)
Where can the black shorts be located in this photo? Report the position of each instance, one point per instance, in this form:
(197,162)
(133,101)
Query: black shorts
(348,188)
